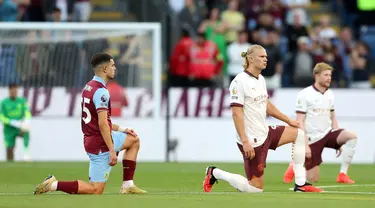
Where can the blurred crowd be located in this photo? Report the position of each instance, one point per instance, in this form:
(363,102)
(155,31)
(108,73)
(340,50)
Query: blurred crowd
(45,10)
(215,32)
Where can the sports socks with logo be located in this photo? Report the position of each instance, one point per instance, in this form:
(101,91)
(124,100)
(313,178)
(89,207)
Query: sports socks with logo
(128,173)
(298,155)
(348,151)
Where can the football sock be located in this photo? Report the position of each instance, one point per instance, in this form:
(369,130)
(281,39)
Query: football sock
(298,155)
(237,181)
(348,151)
(128,172)
(127,184)
(70,187)
(54,186)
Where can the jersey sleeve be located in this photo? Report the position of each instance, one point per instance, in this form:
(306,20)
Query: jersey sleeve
(237,95)
(101,99)
(301,106)
(3,118)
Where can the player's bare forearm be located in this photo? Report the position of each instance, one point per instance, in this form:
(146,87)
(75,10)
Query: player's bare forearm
(238,119)
(105,130)
(276,113)
(300,117)
(335,123)
(115,127)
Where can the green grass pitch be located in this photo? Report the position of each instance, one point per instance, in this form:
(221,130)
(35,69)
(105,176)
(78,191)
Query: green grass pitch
(180,185)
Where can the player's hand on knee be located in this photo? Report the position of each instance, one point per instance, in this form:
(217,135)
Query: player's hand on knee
(131,132)
(293,123)
(308,151)
(112,158)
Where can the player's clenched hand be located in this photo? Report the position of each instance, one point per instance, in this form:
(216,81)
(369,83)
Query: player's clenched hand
(131,132)
(112,158)
(308,151)
(293,123)
(248,150)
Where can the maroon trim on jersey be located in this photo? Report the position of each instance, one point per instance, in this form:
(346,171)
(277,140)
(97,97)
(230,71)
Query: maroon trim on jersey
(301,112)
(252,75)
(319,90)
(235,105)
(101,109)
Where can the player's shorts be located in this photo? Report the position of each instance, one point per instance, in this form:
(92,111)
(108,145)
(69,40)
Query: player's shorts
(255,168)
(329,140)
(10,137)
(99,164)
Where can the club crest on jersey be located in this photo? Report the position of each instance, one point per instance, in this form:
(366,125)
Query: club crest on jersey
(234,91)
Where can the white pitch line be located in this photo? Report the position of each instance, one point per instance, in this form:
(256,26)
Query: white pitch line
(346,186)
(349,192)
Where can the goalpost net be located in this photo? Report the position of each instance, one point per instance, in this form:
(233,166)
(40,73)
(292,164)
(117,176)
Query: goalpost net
(51,64)
(58,55)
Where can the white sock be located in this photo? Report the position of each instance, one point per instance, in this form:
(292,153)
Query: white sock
(127,184)
(348,151)
(298,155)
(54,186)
(237,181)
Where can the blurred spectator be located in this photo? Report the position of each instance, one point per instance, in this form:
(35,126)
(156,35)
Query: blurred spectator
(234,50)
(176,5)
(205,62)
(294,31)
(333,58)
(8,11)
(81,10)
(118,98)
(361,65)
(234,21)
(344,45)
(252,10)
(56,15)
(179,62)
(326,30)
(264,26)
(34,10)
(190,17)
(300,64)
(296,6)
(272,73)
(277,10)
(220,4)
(214,28)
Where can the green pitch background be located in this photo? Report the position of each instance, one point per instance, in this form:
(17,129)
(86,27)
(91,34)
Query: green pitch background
(180,185)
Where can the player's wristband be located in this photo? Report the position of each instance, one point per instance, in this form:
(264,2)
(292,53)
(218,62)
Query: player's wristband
(122,129)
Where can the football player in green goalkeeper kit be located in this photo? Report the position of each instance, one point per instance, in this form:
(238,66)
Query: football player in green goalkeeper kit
(15,116)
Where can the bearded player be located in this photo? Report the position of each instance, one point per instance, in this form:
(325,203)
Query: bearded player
(102,139)
(316,114)
(250,106)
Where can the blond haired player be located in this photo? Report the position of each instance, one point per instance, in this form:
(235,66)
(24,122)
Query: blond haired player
(316,115)
(250,105)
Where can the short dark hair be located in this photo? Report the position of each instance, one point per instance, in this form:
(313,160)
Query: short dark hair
(13,85)
(56,9)
(99,59)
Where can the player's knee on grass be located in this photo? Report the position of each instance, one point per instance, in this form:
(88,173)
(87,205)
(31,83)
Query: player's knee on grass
(313,175)
(257,182)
